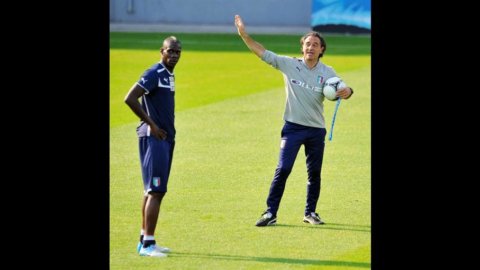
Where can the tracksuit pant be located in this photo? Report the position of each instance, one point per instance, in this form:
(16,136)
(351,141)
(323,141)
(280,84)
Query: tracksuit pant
(293,136)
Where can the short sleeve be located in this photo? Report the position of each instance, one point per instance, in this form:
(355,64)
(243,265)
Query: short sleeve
(149,80)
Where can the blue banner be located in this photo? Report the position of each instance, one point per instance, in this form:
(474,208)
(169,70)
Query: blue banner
(350,13)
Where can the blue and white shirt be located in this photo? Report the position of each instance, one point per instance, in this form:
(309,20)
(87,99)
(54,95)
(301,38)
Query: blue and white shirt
(158,100)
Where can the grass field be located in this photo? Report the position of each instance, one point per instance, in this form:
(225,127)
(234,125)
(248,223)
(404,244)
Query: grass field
(229,107)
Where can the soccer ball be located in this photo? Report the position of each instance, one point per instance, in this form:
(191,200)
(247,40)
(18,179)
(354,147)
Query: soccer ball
(331,86)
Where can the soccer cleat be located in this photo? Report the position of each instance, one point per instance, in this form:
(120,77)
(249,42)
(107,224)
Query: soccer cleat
(151,251)
(313,218)
(266,219)
(159,248)
(162,249)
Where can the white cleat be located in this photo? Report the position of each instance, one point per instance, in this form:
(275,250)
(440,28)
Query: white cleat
(152,251)
(162,249)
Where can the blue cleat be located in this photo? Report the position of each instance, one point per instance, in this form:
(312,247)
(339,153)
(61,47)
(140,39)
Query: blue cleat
(151,251)
(159,248)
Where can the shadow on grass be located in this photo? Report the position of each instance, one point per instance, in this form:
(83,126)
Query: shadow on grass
(331,226)
(271,259)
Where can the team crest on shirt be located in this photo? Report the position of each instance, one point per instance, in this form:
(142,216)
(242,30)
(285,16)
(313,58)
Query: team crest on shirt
(156,181)
(320,79)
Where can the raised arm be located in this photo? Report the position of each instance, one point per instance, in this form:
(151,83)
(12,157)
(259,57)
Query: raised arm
(254,46)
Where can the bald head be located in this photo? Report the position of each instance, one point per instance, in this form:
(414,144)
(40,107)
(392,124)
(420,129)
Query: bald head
(171,51)
(169,40)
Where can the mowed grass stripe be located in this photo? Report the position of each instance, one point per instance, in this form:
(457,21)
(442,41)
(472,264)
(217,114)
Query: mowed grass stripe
(204,77)
(233,44)
(289,44)
(224,160)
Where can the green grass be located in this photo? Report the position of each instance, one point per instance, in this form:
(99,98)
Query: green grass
(228,119)
(345,45)
(208,76)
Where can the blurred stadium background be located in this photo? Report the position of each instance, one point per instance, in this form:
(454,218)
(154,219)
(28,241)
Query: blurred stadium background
(261,16)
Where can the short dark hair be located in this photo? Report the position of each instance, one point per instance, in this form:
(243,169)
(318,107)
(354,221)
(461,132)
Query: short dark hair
(315,34)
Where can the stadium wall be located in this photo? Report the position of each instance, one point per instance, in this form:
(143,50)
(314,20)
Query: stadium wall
(212,12)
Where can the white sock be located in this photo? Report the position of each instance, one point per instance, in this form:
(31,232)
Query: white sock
(148,237)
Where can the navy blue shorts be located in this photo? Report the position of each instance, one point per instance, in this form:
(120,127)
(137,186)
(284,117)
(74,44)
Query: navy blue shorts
(156,161)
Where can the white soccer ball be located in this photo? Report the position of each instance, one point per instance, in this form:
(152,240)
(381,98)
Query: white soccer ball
(331,86)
